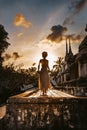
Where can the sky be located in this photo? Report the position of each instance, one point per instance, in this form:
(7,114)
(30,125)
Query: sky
(35,26)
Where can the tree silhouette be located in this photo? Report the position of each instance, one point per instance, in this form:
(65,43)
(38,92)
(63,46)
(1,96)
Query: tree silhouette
(58,66)
(3,42)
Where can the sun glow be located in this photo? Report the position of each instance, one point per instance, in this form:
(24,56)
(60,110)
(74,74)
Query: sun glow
(51,59)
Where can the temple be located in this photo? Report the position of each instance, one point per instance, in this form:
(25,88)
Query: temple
(74,69)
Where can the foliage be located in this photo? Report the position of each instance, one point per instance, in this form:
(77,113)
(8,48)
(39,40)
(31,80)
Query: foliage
(57,68)
(3,42)
(12,79)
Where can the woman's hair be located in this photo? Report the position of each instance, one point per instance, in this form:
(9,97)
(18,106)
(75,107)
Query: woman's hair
(44,54)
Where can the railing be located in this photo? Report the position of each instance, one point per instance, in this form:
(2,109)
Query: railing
(47,114)
(76,91)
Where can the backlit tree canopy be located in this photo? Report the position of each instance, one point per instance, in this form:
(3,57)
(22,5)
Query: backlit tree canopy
(3,42)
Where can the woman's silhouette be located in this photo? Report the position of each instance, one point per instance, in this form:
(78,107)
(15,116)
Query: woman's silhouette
(44,83)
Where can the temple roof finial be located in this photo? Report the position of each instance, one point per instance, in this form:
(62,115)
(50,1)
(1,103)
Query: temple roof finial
(86,28)
(66,46)
(69,44)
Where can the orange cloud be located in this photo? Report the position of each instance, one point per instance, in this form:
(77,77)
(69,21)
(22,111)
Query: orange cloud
(19,34)
(20,20)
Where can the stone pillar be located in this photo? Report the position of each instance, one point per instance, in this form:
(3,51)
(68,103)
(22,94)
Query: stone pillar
(82,70)
(61,79)
(79,69)
(64,77)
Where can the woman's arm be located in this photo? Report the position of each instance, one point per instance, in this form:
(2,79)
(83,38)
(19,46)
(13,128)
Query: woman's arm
(39,66)
(48,66)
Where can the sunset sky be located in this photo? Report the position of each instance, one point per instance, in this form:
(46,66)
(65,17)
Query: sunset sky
(35,26)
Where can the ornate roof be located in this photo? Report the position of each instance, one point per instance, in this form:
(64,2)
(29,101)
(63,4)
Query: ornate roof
(83,44)
(82,55)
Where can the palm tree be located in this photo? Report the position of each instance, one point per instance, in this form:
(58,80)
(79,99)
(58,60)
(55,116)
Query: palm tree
(58,66)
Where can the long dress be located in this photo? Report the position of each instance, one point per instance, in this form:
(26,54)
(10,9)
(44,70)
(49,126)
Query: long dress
(44,82)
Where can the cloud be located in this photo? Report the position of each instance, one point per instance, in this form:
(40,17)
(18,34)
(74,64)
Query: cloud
(20,34)
(74,9)
(77,6)
(13,56)
(68,20)
(57,33)
(77,38)
(20,20)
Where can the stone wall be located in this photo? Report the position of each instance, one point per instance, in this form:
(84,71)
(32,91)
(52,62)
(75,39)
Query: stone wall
(53,115)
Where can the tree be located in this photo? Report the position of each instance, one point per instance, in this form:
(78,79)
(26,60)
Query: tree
(57,67)
(3,42)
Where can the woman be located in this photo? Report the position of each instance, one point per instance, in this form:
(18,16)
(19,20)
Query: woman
(44,83)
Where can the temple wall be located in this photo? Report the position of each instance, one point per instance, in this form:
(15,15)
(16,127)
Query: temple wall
(84,70)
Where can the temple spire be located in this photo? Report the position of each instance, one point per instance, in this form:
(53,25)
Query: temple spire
(66,47)
(66,56)
(86,28)
(70,50)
